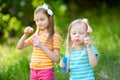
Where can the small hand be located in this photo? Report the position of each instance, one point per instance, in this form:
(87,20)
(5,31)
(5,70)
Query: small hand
(62,64)
(88,42)
(28,30)
(37,43)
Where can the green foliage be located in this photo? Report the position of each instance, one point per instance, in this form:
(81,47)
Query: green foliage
(9,24)
(36,3)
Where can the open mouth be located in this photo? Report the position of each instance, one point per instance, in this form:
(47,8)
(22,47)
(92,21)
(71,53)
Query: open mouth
(76,40)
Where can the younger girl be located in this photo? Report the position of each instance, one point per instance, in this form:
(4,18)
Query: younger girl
(46,44)
(81,54)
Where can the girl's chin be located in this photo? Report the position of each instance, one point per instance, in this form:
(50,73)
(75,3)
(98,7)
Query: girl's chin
(42,28)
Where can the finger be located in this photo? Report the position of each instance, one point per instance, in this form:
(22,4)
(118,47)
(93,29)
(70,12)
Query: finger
(31,30)
(26,31)
(28,27)
(61,64)
(87,38)
(85,42)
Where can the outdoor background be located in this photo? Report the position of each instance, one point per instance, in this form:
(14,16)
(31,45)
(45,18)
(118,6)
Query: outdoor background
(103,17)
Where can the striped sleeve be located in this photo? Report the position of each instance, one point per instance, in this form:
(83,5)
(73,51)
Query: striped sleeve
(56,41)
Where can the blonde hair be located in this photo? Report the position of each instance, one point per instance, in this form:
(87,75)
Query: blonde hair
(68,40)
(50,18)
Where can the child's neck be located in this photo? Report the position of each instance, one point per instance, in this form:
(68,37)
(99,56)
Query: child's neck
(77,47)
(44,31)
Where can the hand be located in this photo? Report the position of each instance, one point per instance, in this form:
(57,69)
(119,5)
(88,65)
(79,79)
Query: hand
(88,42)
(37,42)
(28,30)
(62,64)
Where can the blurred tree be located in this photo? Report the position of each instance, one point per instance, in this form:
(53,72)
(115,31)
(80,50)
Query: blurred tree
(14,14)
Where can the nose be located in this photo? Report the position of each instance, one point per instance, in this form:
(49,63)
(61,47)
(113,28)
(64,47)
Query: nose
(39,23)
(77,35)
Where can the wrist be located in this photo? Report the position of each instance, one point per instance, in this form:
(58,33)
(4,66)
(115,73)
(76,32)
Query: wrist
(25,35)
(88,47)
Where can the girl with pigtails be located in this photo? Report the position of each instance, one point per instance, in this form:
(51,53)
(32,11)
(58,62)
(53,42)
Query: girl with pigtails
(80,53)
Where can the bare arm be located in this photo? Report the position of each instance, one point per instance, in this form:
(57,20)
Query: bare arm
(22,43)
(88,42)
(92,57)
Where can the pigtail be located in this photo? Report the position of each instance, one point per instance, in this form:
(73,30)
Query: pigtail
(88,28)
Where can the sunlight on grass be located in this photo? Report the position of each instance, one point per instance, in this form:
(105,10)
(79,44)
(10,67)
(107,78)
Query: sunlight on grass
(13,62)
(9,56)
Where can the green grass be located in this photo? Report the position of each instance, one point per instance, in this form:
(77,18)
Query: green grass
(14,64)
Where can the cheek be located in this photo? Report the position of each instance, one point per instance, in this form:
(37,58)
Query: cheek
(82,38)
(38,23)
(72,37)
(46,23)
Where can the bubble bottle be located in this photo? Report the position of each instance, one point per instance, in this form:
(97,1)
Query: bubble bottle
(64,59)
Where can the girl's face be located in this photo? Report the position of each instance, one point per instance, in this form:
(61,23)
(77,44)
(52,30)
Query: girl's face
(78,33)
(41,20)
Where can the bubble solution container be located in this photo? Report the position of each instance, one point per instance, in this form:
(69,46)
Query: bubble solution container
(35,38)
(64,59)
